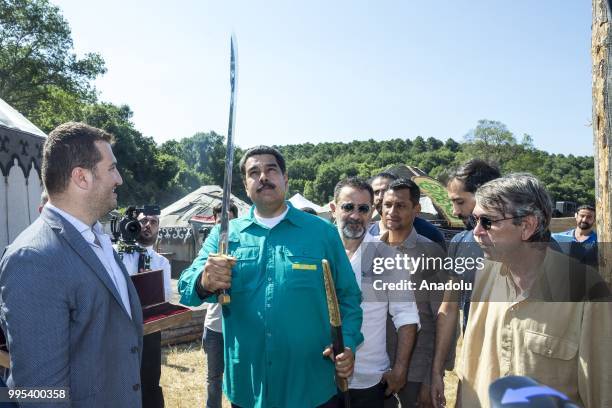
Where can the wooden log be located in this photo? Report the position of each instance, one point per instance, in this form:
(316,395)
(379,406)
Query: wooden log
(601,42)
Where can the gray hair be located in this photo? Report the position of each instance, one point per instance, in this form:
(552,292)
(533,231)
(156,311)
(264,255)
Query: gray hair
(518,195)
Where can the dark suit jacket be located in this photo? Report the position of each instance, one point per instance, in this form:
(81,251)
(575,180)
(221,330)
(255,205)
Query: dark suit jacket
(64,320)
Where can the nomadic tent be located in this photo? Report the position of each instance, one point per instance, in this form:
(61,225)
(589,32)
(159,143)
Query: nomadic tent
(299,202)
(184,224)
(21,145)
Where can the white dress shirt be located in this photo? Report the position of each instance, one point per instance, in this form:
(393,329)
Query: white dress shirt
(103,248)
(157,262)
(371,359)
(212,320)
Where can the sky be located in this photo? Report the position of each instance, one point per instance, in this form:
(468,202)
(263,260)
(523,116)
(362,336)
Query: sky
(318,71)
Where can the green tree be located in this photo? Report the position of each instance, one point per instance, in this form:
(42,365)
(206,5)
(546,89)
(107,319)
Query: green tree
(490,140)
(38,65)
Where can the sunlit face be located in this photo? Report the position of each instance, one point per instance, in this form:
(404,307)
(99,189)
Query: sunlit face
(398,211)
(463,202)
(503,237)
(149,228)
(585,219)
(106,179)
(352,211)
(380,186)
(265,183)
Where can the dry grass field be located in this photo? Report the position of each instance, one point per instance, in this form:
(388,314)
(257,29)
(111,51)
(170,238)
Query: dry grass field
(184,376)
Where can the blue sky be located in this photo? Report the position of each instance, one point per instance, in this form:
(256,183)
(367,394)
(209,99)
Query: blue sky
(342,70)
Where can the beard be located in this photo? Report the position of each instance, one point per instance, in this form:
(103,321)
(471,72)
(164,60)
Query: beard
(585,225)
(469,222)
(353,229)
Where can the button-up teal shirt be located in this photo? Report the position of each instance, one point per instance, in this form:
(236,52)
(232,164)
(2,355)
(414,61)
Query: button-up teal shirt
(277,325)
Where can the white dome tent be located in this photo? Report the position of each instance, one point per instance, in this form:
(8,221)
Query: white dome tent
(21,145)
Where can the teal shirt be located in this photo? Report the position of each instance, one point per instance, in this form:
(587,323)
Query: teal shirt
(277,324)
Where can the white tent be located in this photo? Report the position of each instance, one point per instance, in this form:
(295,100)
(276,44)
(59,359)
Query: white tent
(299,201)
(21,146)
(197,203)
(182,222)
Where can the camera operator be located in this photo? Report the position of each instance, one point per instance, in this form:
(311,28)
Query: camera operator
(150,369)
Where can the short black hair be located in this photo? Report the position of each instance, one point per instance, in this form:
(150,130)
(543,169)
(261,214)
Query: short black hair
(384,174)
(219,206)
(261,149)
(585,207)
(355,182)
(407,184)
(474,173)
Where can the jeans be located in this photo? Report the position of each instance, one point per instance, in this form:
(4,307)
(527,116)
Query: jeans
(373,397)
(212,343)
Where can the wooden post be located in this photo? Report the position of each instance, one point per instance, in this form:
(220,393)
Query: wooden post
(602,80)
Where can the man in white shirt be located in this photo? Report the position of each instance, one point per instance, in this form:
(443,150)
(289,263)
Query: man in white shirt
(150,368)
(212,338)
(373,378)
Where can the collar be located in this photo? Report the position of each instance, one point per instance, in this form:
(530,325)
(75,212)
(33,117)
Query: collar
(89,233)
(294,216)
(408,243)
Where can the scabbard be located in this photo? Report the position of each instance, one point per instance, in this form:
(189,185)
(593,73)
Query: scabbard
(336,327)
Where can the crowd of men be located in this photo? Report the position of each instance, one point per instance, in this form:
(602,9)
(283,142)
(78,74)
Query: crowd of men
(535,306)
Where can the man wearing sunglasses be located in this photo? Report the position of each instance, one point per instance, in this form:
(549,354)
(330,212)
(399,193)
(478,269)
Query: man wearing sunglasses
(373,377)
(535,311)
(150,367)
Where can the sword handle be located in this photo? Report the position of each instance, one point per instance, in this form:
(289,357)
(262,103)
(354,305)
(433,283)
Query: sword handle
(223,297)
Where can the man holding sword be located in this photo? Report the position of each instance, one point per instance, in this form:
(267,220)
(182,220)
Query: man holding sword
(276,326)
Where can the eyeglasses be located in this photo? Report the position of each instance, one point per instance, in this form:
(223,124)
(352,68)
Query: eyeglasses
(350,207)
(486,222)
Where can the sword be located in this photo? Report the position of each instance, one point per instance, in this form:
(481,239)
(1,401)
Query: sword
(336,327)
(224,297)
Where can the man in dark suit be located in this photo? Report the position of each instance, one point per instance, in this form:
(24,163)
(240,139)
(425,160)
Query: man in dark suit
(68,308)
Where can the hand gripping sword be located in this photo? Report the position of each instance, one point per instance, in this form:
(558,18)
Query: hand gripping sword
(336,327)
(224,297)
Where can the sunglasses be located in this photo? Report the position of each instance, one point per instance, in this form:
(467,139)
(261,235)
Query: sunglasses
(350,207)
(486,222)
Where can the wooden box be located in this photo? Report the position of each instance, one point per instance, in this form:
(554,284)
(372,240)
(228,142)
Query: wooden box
(157,314)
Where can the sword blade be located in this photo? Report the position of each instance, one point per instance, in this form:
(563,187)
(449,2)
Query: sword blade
(224,297)
(229,154)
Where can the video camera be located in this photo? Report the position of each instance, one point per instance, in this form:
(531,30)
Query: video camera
(126,229)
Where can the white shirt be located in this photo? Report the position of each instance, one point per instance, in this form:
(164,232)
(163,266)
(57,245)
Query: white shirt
(271,222)
(104,251)
(212,320)
(371,359)
(157,262)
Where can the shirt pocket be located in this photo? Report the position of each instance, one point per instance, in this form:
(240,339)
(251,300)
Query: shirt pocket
(550,359)
(244,273)
(302,269)
(550,346)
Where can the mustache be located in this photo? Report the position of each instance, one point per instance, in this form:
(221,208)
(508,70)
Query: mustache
(266,184)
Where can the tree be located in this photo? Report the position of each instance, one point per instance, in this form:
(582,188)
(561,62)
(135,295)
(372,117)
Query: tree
(490,140)
(37,62)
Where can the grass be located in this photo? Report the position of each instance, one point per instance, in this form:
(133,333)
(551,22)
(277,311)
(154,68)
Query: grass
(183,377)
